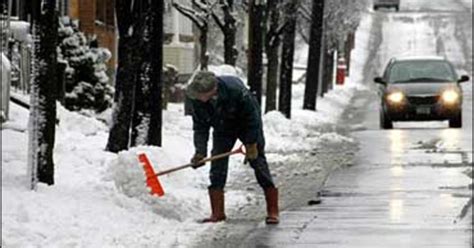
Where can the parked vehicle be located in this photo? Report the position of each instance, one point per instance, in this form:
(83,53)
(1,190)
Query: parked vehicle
(387,4)
(420,89)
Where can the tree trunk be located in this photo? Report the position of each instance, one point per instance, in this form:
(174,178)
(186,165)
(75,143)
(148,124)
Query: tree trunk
(203,42)
(255,50)
(314,57)
(330,66)
(230,52)
(328,61)
(119,136)
(349,45)
(43,95)
(141,117)
(229,31)
(288,50)
(156,75)
(272,45)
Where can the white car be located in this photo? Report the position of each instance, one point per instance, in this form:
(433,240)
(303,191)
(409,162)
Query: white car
(387,4)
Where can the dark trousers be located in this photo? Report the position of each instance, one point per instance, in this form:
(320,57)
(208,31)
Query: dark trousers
(224,143)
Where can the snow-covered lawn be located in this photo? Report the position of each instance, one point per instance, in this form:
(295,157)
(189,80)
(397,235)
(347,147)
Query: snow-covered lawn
(100,199)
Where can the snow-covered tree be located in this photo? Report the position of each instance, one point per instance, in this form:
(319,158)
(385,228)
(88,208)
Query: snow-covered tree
(87,84)
(228,26)
(140,25)
(156,74)
(43,93)
(128,16)
(147,115)
(341,18)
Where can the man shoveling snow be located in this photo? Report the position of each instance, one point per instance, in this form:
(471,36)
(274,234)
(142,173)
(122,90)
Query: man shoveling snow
(226,105)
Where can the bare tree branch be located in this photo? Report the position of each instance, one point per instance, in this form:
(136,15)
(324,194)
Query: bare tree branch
(217,20)
(191,14)
(305,12)
(202,5)
(303,33)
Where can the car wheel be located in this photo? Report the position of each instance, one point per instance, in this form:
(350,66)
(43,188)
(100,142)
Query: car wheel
(376,8)
(456,122)
(385,122)
(397,8)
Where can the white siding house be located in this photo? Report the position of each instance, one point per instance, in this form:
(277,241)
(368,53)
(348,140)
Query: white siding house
(180,51)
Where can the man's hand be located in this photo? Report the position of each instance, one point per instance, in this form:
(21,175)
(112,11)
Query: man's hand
(195,160)
(251,152)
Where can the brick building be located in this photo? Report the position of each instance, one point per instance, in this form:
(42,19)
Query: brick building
(96,18)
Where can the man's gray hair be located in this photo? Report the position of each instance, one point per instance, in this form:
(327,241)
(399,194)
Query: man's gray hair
(203,82)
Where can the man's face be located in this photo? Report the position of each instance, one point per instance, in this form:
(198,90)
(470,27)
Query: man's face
(205,97)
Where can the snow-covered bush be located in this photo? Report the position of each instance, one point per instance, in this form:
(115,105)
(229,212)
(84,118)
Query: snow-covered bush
(86,83)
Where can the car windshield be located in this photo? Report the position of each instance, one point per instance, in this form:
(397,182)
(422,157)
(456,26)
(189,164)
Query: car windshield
(421,71)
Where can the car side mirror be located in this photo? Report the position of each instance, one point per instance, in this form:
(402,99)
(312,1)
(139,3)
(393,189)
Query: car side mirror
(463,78)
(380,80)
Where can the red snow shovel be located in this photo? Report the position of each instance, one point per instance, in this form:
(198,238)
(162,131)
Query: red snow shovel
(152,180)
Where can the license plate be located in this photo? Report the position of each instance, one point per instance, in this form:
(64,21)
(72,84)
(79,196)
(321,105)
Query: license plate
(423,110)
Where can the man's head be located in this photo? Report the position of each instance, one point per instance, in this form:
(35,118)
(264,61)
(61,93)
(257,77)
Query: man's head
(203,87)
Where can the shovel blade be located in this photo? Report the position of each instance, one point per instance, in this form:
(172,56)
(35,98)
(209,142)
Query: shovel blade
(152,180)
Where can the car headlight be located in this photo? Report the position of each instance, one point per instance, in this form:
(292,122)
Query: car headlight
(450,96)
(396,97)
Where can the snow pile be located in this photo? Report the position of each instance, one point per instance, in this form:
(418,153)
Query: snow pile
(186,189)
(226,70)
(303,131)
(72,122)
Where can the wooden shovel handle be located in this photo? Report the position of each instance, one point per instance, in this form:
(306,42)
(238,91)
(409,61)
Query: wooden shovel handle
(216,157)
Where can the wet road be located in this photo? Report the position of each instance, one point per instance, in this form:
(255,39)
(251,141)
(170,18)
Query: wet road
(408,187)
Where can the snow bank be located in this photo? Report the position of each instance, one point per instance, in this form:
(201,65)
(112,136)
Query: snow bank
(72,122)
(303,132)
(226,70)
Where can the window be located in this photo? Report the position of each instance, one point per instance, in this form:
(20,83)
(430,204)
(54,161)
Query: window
(422,69)
(63,7)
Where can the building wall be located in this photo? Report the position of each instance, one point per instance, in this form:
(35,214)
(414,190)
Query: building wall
(181,56)
(74,9)
(86,12)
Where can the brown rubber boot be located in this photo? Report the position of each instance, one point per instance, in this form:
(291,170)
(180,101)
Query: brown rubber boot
(271,196)
(217,205)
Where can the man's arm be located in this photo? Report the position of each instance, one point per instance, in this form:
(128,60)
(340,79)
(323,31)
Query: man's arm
(201,134)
